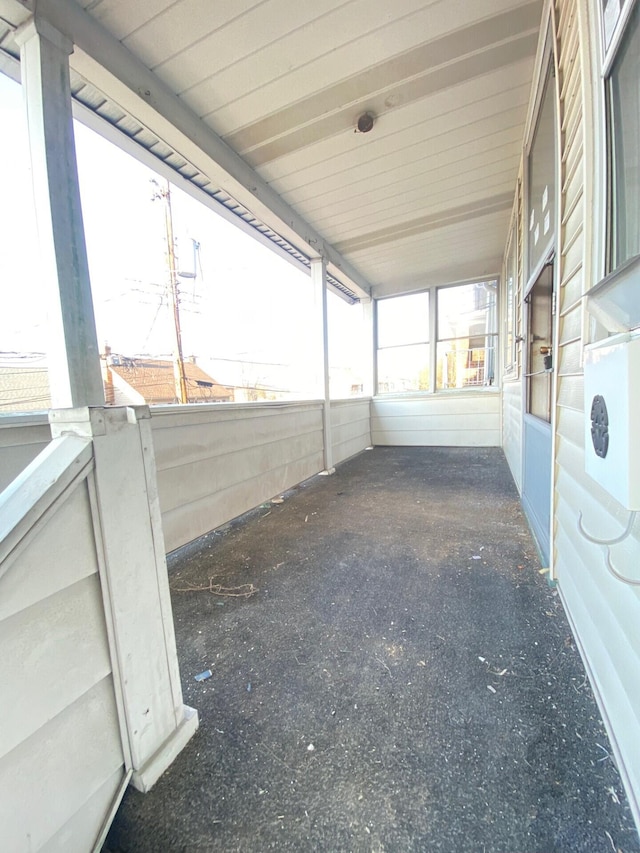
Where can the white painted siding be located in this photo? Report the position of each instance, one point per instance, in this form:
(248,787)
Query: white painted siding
(214,463)
(22,437)
(61,755)
(512,402)
(350,428)
(604,611)
(440,420)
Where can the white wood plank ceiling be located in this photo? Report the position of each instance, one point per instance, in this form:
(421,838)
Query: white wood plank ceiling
(422,198)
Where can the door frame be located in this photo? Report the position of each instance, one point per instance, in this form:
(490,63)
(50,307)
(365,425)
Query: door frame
(537,428)
(546,59)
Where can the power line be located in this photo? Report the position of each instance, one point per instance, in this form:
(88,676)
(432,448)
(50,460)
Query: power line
(153,323)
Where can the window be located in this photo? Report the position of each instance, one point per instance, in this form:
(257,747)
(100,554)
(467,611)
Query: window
(510,278)
(613,16)
(403,343)
(349,348)
(23,324)
(623,91)
(541,181)
(540,345)
(467,335)
(465,329)
(244,312)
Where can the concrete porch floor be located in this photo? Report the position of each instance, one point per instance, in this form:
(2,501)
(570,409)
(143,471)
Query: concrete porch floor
(402,679)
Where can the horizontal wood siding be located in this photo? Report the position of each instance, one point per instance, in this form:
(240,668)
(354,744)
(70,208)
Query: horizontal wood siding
(604,611)
(78,833)
(215,463)
(512,413)
(350,428)
(512,428)
(441,420)
(22,437)
(61,755)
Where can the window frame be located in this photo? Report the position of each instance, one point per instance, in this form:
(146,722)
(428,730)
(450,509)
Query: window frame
(610,53)
(612,297)
(546,83)
(432,339)
(610,50)
(544,79)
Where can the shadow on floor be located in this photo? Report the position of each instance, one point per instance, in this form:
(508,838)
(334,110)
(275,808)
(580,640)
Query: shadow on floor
(402,679)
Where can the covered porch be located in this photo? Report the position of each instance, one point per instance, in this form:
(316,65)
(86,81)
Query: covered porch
(399,676)
(469,532)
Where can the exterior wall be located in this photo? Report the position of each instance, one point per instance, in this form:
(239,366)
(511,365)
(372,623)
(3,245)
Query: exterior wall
(350,428)
(61,755)
(214,463)
(439,420)
(512,383)
(22,437)
(604,611)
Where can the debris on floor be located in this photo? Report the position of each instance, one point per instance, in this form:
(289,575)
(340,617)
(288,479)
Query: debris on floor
(305,719)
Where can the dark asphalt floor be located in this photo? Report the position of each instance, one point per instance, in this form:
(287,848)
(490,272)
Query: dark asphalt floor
(402,678)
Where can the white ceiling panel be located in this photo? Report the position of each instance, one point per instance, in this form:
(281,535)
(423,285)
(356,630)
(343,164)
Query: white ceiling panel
(122,17)
(356,29)
(426,259)
(167,37)
(466,111)
(468,160)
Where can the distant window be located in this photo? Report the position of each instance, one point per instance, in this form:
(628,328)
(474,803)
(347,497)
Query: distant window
(465,329)
(403,343)
(467,335)
(349,343)
(623,118)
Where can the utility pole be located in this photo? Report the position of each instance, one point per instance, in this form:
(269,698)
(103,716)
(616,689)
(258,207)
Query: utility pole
(172,297)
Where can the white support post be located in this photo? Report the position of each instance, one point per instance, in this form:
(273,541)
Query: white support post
(319,283)
(74,358)
(371,363)
(134,575)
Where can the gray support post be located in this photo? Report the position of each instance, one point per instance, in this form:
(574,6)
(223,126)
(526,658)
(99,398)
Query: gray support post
(74,359)
(319,283)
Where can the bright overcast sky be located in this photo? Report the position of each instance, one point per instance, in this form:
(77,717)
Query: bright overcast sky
(246,302)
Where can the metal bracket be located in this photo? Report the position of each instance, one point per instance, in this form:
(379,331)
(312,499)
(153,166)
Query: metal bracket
(608,543)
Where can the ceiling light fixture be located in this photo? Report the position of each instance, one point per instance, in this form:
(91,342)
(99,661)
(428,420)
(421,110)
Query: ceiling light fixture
(365,123)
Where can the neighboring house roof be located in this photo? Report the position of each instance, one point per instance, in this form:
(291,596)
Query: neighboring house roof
(152,381)
(24,389)
(135,381)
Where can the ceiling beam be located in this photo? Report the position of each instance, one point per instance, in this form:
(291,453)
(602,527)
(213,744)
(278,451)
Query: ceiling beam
(117,73)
